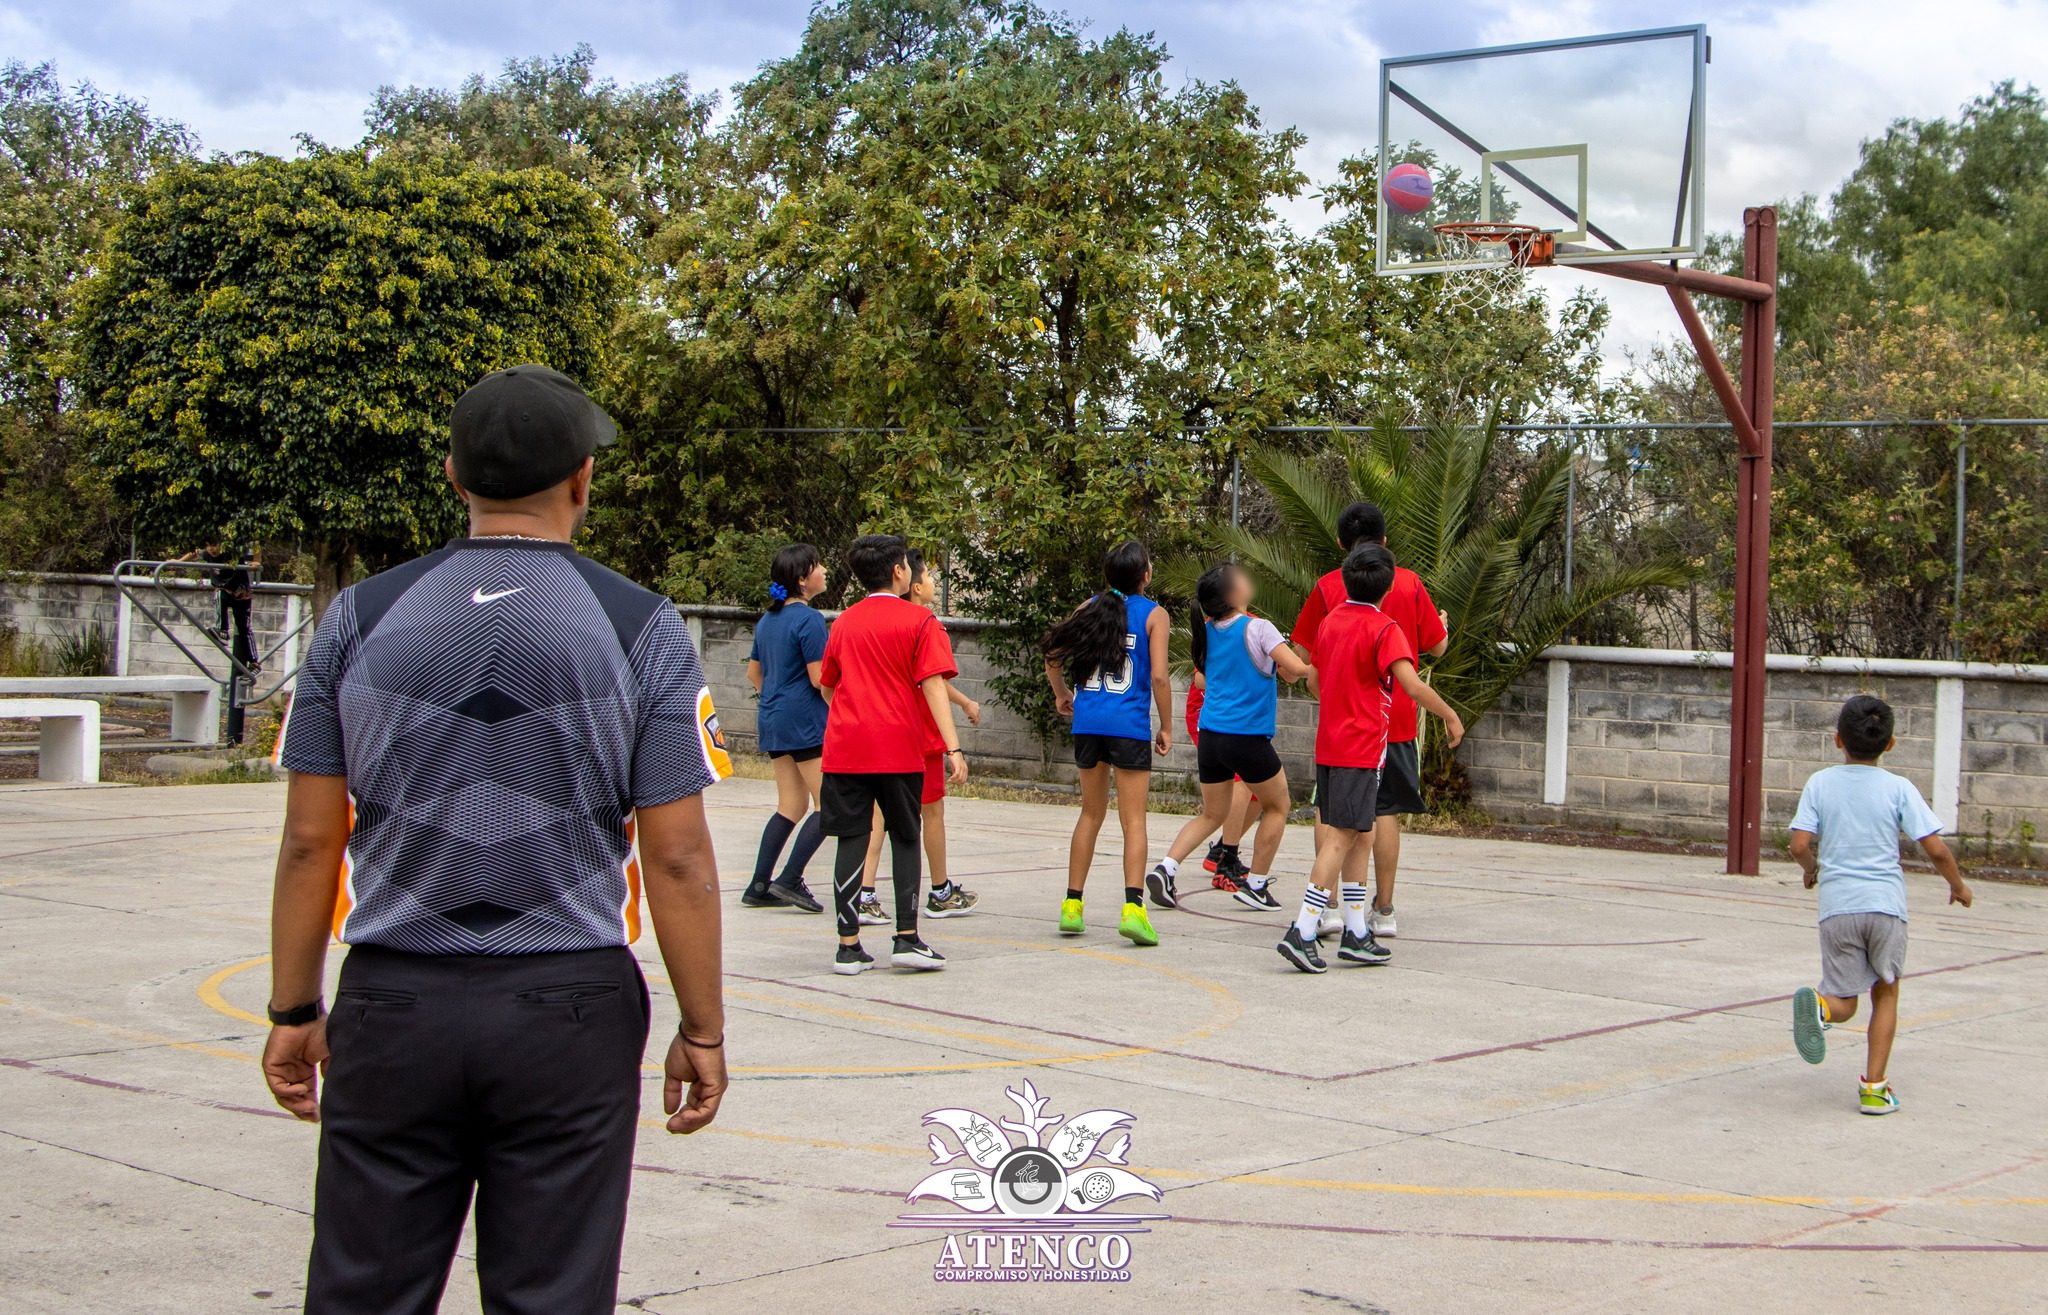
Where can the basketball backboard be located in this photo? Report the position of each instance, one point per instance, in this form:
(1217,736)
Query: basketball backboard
(1597,140)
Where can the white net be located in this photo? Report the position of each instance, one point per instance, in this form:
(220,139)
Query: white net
(1492,257)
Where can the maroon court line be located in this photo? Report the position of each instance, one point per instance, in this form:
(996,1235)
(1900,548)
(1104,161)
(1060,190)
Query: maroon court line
(1457,1057)
(129,1088)
(1657,1244)
(1439,940)
(1681,1017)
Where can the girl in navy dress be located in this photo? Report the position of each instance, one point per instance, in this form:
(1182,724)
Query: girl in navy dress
(789,645)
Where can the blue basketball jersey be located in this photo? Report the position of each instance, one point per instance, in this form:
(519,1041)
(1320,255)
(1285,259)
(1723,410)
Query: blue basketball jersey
(1241,698)
(1118,701)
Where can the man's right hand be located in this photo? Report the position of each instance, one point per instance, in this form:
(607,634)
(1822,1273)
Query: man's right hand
(700,1069)
(293,1060)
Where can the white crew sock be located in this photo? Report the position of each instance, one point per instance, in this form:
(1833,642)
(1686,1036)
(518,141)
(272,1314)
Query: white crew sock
(1310,920)
(1171,866)
(1354,908)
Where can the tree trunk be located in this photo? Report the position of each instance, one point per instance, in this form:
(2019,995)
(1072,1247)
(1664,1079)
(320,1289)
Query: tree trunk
(333,561)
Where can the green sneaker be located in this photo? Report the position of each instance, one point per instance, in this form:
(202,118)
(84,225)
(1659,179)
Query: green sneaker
(1070,918)
(1879,1099)
(1136,926)
(1808,1027)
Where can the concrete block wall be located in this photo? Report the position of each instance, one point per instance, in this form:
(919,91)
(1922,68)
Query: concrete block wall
(1646,746)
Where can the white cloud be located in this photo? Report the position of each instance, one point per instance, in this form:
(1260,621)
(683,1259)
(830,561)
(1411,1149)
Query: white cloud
(1794,87)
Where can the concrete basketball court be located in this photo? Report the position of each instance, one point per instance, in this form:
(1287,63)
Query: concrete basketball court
(1573,1090)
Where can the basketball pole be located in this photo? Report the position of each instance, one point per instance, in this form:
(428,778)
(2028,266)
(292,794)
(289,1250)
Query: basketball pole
(1748,404)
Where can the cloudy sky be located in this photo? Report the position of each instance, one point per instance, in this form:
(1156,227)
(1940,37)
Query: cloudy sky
(1795,84)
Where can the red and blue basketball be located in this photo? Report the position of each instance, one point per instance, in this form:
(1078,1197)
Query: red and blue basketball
(1408,188)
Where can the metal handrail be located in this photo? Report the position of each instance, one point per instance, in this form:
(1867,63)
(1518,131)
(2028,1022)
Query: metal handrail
(238,671)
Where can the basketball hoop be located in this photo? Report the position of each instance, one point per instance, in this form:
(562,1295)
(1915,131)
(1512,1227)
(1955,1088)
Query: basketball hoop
(1488,257)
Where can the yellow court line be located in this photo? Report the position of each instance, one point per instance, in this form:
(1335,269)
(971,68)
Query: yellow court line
(889,1021)
(132,1034)
(209,991)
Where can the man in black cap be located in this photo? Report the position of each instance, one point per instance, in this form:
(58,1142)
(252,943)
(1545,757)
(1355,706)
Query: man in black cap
(492,745)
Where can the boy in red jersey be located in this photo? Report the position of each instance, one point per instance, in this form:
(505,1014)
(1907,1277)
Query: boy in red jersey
(1361,658)
(1400,789)
(885,669)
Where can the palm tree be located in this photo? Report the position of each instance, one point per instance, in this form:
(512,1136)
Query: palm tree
(1476,549)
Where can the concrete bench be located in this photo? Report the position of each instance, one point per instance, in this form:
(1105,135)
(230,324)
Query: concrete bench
(69,747)
(195,700)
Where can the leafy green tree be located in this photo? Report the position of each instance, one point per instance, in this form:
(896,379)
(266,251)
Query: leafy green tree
(636,147)
(68,158)
(1015,254)
(1468,512)
(273,346)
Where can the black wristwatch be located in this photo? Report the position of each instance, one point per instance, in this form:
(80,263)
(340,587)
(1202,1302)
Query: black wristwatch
(299,1017)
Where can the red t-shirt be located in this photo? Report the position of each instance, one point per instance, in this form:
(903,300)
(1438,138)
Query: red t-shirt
(1196,695)
(879,652)
(1408,603)
(1355,653)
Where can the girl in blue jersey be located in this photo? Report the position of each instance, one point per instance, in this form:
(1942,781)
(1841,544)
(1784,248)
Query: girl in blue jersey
(1107,667)
(1242,659)
(789,646)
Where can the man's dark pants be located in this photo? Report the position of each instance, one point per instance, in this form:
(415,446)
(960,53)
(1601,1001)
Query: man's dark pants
(513,1076)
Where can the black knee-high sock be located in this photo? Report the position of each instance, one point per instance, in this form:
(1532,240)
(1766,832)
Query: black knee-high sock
(853,851)
(773,837)
(808,837)
(907,868)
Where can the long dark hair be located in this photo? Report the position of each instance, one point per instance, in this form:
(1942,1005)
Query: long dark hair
(1212,601)
(1092,639)
(794,563)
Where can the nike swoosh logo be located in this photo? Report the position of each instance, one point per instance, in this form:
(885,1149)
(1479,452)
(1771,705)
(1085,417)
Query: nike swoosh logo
(481,597)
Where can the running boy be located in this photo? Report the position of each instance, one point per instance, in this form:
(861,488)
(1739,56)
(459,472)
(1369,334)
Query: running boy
(1362,657)
(1107,666)
(1857,812)
(948,899)
(886,664)
(1409,604)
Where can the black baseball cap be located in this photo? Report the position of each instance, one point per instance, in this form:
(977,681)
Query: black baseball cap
(523,429)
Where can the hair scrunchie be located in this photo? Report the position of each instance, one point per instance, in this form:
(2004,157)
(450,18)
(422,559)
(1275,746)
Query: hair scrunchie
(778,591)
(1116,591)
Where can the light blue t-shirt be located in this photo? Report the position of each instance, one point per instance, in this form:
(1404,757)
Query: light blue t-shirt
(1859,813)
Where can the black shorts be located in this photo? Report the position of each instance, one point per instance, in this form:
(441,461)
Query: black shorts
(847,802)
(1344,796)
(1219,756)
(1119,751)
(809,755)
(1401,781)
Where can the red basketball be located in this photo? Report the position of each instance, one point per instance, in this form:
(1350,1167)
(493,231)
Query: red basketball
(1408,188)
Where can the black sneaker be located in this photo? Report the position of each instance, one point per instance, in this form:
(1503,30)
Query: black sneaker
(910,952)
(852,960)
(1301,953)
(1160,883)
(757,897)
(1211,862)
(1362,949)
(795,894)
(1254,897)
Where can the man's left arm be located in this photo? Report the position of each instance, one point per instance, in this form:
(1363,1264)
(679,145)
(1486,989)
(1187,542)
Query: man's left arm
(316,826)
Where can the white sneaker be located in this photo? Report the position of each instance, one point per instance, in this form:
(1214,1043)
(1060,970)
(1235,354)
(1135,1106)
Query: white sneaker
(1381,924)
(1332,925)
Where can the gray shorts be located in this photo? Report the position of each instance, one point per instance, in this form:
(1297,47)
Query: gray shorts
(1858,950)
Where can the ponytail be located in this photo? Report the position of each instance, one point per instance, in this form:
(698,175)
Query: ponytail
(1092,639)
(1212,600)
